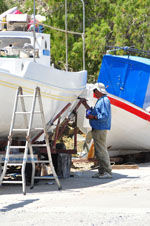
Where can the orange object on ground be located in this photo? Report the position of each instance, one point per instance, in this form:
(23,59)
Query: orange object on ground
(91,152)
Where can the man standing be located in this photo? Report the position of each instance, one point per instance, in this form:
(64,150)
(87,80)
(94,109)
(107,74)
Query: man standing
(100,121)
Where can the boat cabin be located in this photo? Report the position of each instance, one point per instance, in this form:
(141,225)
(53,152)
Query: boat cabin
(20,45)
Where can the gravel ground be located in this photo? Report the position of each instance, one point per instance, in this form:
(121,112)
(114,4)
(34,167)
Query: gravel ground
(122,200)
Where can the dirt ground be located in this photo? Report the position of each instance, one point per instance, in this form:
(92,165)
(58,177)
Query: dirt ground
(84,201)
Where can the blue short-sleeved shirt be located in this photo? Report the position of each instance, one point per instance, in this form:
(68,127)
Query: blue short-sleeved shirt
(102,110)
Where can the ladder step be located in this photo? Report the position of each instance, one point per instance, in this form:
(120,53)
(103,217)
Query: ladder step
(11,182)
(20,130)
(14,147)
(41,161)
(44,177)
(39,145)
(14,164)
(23,95)
(27,112)
(25,130)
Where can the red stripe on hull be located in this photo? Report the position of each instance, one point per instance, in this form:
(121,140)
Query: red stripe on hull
(129,108)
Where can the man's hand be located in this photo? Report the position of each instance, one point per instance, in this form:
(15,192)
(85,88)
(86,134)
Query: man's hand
(83,100)
(90,117)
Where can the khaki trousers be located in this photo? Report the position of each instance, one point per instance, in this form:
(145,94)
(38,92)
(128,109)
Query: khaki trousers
(101,153)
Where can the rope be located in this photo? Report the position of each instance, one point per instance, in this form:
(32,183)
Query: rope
(58,29)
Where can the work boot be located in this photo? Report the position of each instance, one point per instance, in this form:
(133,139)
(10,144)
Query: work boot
(105,175)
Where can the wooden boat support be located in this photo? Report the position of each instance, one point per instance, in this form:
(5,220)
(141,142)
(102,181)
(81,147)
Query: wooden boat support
(59,131)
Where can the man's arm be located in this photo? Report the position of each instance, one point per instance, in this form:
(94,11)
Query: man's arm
(84,102)
(103,109)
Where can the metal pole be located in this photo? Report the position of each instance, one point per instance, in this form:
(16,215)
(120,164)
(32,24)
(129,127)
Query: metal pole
(83,35)
(34,31)
(66,35)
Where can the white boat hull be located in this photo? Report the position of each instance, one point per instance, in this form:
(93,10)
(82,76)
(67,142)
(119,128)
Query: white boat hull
(55,97)
(130,126)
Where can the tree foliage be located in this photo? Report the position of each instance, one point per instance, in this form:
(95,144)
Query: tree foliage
(108,23)
(3,6)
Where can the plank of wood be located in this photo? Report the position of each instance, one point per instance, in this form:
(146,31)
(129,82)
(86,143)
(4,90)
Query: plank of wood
(125,166)
(121,166)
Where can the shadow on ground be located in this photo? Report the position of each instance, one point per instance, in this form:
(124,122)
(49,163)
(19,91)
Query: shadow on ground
(17,205)
(78,180)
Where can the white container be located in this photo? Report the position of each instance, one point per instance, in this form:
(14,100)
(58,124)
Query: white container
(17,18)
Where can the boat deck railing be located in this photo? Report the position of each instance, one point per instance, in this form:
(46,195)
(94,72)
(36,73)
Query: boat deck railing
(11,52)
(128,50)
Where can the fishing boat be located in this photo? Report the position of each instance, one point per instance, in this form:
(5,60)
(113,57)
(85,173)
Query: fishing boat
(127,80)
(25,62)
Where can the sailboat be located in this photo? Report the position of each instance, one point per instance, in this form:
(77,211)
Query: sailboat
(25,62)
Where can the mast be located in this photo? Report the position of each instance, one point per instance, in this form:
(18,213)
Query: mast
(34,35)
(66,35)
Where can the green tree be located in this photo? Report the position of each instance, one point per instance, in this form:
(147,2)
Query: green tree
(3,6)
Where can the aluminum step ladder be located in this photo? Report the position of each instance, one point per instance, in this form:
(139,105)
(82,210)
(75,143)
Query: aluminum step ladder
(28,121)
